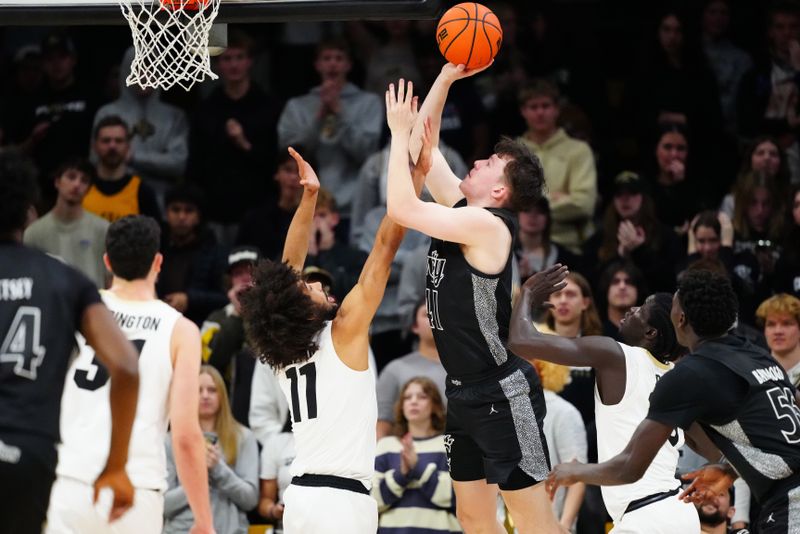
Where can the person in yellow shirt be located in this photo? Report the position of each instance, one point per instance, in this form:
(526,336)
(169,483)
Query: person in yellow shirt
(568,163)
(115,192)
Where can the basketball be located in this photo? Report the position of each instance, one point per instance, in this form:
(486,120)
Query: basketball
(469,34)
(188,5)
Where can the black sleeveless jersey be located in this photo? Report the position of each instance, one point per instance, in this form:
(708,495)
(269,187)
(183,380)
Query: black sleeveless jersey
(469,311)
(41,304)
(745,403)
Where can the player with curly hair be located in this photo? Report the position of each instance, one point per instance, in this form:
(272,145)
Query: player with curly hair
(737,393)
(320,355)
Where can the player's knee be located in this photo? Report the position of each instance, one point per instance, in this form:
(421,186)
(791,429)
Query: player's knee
(474,521)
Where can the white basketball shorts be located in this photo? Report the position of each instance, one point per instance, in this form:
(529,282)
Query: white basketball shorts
(324,510)
(667,516)
(72,511)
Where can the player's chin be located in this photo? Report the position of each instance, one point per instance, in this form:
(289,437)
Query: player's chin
(330,309)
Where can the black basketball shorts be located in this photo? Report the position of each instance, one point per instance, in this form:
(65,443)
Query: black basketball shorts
(780,513)
(27,472)
(494,427)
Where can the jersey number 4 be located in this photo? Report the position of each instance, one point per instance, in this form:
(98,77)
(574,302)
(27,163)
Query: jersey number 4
(309,371)
(96,375)
(22,344)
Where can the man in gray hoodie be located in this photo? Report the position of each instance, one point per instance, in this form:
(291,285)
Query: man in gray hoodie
(336,121)
(159,132)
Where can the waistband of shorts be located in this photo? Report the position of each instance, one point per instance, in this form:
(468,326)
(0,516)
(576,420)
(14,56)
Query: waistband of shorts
(330,481)
(489,375)
(36,445)
(650,499)
(779,490)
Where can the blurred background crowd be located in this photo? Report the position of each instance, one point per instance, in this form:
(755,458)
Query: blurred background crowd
(668,135)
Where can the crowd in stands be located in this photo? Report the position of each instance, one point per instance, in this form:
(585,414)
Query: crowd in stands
(669,141)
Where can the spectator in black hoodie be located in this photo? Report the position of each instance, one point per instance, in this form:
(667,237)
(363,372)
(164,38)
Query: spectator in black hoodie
(631,231)
(233,138)
(59,121)
(191,274)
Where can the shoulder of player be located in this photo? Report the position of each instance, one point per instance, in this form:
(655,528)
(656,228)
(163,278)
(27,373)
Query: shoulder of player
(641,356)
(603,348)
(349,338)
(493,223)
(184,332)
(695,370)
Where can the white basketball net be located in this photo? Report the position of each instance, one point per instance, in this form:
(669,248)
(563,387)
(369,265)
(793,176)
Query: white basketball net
(170,41)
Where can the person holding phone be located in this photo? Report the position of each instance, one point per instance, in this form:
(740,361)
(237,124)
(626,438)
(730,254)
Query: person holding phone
(232,460)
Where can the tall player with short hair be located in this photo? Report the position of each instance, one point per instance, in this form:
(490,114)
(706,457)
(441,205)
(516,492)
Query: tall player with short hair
(43,302)
(739,396)
(169,367)
(496,406)
(320,354)
(626,374)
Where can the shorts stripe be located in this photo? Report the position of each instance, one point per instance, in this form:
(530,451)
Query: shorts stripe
(794,511)
(517,391)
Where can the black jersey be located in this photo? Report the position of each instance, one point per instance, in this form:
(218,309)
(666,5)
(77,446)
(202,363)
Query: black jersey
(744,401)
(469,311)
(41,304)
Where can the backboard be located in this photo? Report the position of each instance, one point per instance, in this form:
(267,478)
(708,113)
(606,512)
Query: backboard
(75,12)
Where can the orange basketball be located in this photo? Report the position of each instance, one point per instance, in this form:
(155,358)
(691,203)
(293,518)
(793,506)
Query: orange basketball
(188,5)
(469,33)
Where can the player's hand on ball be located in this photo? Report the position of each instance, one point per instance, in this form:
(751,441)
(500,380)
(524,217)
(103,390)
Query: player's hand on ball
(308,178)
(118,482)
(544,283)
(562,475)
(401,107)
(707,483)
(456,72)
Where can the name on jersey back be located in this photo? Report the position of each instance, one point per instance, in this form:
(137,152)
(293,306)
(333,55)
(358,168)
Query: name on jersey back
(137,322)
(16,288)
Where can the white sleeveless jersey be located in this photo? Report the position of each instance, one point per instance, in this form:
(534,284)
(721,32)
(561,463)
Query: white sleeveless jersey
(85,408)
(617,423)
(334,413)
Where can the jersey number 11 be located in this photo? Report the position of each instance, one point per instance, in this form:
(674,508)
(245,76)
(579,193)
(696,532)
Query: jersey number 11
(309,371)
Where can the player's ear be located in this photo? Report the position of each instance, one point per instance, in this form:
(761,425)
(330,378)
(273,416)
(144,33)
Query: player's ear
(500,192)
(107,263)
(157,261)
(681,320)
(650,333)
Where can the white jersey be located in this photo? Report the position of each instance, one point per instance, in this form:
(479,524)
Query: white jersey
(85,407)
(617,423)
(334,413)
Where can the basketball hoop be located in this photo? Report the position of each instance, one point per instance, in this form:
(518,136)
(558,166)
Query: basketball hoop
(170,38)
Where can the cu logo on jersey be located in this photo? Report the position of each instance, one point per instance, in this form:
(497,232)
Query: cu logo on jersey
(436,268)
